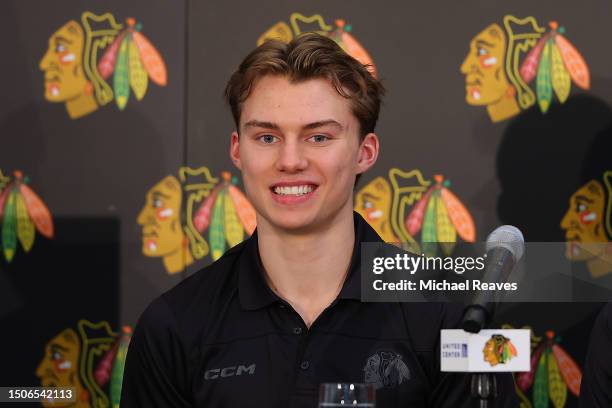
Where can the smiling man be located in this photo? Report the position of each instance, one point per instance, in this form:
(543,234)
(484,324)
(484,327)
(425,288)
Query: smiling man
(281,313)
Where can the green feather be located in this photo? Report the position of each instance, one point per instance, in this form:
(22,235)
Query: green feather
(544,80)
(540,384)
(428,233)
(117,372)
(121,76)
(9,226)
(216,230)
(25,227)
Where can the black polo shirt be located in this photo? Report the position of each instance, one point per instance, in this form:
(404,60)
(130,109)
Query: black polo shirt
(222,338)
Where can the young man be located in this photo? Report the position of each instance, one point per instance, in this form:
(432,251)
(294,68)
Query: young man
(281,313)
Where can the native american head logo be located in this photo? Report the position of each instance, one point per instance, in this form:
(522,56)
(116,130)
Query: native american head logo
(76,75)
(86,359)
(178,211)
(499,350)
(406,204)
(341,34)
(588,225)
(511,68)
(385,369)
(22,213)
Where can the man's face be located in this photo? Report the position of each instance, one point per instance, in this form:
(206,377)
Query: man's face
(61,64)
(162,232)
(299,152)
(373,202)
(483,67)
(583,222)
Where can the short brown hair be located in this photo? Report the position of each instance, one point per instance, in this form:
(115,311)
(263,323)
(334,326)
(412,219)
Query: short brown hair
(308,56)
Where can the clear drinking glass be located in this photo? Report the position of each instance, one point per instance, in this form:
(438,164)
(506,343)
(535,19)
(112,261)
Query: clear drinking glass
(347,395)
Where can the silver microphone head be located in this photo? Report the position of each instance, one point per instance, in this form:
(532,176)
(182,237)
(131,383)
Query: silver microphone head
(509,237)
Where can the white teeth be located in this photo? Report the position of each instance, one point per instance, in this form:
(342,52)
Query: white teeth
(293,190)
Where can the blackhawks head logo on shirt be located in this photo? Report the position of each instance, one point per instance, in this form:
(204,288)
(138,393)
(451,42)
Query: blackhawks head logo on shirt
(385,369)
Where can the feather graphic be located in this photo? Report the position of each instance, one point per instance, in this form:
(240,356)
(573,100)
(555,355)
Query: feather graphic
(139,79)
(9,226)
(556,387)
(201,218)
(459,215)
(352,47)
(106,66)
(3,196)
(152,61)
(540,385)
(121,83)
(105,366)
(569,369)
(244,209)
(543,80)
(39,213)
(561,81)
(215,231)
(414,221)
(118,367)
(25,226)
(575,64)
(428,235)
(529,67)
(231,226)
(445,231)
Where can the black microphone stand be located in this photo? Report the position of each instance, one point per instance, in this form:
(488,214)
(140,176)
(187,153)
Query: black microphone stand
(483,386)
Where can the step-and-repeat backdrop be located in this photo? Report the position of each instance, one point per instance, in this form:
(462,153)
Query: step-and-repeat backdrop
(115,180)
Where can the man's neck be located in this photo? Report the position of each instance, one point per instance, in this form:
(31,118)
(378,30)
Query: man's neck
(308,270)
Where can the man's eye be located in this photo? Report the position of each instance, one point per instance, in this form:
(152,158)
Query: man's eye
(482,51)
(268,139)
(319,138)
(57,356)
(581,207)
(60,48)
(157,203)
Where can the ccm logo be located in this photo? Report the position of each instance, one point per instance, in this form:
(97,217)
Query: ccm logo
(231,371)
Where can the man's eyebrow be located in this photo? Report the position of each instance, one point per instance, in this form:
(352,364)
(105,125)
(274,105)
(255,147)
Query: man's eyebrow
(309,126)
(156,194)
(321,123)
(260,124)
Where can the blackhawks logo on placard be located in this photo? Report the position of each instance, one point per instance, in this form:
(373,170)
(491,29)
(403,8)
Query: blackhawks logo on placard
(499,350)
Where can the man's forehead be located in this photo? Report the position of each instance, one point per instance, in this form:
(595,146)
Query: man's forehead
(274,100)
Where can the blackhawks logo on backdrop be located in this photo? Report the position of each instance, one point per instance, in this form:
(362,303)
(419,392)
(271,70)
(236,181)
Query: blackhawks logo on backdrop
(553,373)
(510,69)
(180,213)
(341,33)
(91,63)
(588,226)
(89,359)
(405,204)
(22,213)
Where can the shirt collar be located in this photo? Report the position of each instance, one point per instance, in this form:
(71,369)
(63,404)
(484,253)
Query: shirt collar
(254,292)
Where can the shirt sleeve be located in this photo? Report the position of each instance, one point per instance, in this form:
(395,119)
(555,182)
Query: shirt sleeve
(156,373)
(453,390)
(596,386)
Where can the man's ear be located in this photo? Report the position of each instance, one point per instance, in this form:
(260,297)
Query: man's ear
(368,152)
(235,150)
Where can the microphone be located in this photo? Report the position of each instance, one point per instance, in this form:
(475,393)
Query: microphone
(504,248)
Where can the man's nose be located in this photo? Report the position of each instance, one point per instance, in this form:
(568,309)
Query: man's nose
(468,64)
(43,65)
(292,157)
